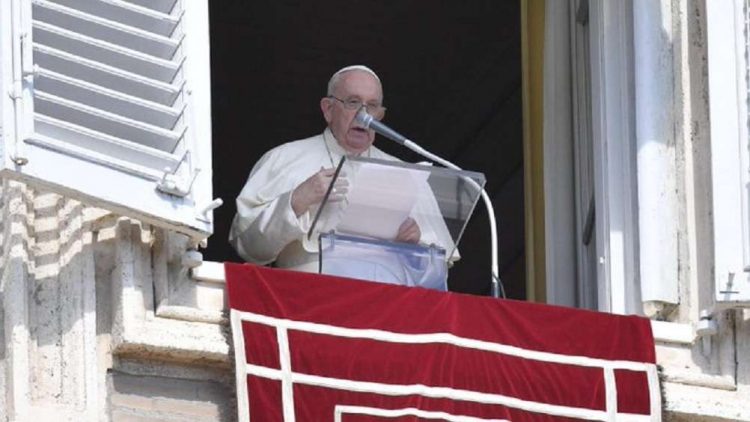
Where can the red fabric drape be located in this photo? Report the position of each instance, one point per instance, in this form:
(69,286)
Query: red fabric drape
(337,302)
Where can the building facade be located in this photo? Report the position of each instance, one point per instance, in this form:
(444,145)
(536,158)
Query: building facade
(636,160)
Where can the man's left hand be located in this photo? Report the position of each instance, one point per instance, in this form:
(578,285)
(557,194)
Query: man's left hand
(409,231)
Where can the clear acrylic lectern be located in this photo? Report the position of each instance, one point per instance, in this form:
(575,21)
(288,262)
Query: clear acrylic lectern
(356,233)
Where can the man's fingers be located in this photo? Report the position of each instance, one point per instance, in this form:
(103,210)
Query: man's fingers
(327,172)
(312,190)
(409,231)
(407,224)
(341,186)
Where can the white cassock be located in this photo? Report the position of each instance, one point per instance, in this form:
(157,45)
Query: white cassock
(265,228)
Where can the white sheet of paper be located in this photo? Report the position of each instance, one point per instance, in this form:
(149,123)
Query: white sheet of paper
(380,199)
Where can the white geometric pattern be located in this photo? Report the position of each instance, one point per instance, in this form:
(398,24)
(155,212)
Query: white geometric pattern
(288,377)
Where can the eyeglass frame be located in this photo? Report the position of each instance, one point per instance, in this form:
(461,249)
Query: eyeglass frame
(352,105)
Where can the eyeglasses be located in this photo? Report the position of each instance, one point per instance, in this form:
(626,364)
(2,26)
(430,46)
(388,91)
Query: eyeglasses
(376,110)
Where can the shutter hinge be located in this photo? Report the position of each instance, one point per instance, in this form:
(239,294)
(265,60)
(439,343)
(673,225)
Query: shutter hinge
(172,184)
(728,286)
(706,328)
(15,92)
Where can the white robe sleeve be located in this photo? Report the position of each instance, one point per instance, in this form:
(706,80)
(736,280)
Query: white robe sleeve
(265,222)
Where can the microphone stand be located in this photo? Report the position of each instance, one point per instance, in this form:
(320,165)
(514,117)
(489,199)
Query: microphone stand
(369,122)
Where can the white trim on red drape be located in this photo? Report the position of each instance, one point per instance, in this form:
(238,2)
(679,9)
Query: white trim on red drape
(288,377)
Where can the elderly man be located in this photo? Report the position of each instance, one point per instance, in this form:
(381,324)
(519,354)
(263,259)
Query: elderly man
(274,207)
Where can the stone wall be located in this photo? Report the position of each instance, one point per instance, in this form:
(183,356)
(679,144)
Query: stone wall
(99,320)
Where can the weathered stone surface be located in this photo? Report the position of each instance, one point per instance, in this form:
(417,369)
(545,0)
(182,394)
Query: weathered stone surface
(76,298)
(151,398)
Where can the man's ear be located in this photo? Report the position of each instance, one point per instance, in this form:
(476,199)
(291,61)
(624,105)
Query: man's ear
(325,106)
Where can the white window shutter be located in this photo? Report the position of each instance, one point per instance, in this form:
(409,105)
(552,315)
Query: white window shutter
(728,90)
(110,103)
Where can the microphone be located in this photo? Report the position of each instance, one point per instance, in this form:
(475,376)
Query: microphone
(369,122)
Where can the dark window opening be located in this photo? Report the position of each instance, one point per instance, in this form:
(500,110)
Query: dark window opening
(451,72)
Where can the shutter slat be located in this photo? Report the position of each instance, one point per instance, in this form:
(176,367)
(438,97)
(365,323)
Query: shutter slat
(109,123)
(101,143)
(163,6)
(104,52)
(107,76)
(128,13)
(106,30)
(106,99)
(94,157)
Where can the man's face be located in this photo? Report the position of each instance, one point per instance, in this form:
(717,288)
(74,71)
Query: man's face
(352,85)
